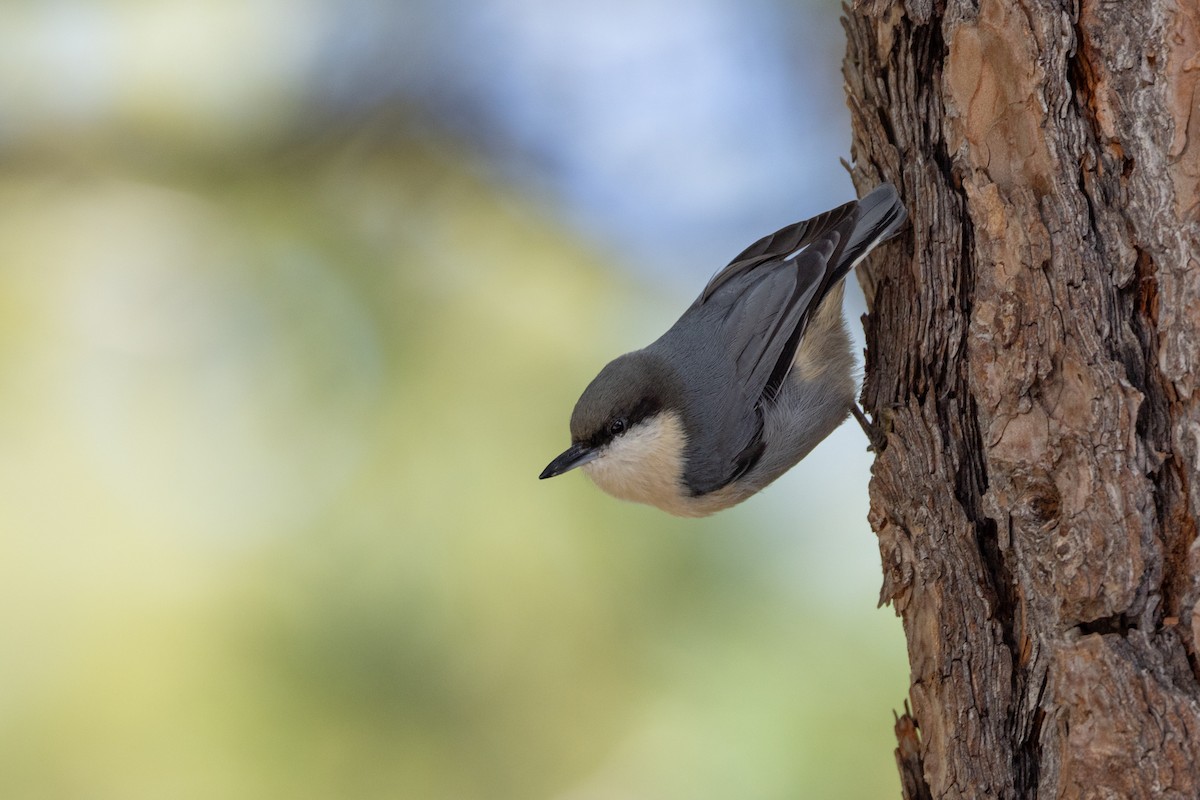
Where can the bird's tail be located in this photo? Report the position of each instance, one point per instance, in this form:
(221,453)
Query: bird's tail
(880,215)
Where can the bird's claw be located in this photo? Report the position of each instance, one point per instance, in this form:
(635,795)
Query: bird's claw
(876,437)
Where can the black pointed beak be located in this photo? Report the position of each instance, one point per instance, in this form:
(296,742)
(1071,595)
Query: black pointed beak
(574,456)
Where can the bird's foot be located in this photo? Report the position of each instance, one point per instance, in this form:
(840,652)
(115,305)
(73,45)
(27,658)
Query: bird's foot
(874,434)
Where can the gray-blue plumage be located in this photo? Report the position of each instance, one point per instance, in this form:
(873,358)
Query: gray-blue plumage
(758,368)
(739,338)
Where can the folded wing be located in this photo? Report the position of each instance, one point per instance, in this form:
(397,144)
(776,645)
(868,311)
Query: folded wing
(753,314)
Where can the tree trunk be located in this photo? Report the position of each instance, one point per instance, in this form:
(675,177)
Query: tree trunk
(1033,357)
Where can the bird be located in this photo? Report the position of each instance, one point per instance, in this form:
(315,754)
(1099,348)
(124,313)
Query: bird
(753,375)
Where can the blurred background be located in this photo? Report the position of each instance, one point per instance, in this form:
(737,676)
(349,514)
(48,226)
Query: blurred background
(295,299)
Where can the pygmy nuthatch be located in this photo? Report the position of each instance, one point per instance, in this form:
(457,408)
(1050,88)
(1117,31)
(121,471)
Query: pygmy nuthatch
(753,375)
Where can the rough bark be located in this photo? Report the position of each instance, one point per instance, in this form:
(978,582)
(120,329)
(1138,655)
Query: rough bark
(1033,352)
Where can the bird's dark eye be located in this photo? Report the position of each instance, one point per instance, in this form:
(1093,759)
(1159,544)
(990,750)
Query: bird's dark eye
(617,426)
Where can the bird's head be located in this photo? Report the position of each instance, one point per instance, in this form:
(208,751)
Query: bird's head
(625,424)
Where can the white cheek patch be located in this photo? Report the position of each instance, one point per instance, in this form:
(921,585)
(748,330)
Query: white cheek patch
(645,464)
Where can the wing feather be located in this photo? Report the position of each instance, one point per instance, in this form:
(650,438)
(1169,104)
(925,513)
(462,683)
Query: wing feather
(753,314)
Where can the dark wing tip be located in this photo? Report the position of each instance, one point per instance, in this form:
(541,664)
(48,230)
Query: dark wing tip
(880,215)
(778,245)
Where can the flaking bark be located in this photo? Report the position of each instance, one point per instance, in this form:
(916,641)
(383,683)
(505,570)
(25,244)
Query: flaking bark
(1033,347)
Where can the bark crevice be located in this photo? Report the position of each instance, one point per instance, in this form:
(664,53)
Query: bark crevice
(1032,342)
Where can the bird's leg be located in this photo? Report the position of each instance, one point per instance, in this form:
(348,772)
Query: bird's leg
(874,435)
